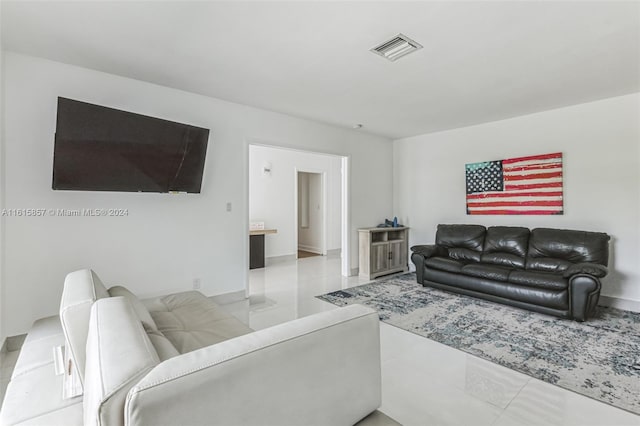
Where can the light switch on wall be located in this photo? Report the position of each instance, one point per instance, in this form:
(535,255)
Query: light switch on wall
(228,207)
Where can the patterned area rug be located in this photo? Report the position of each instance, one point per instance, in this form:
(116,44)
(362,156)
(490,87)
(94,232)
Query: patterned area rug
(599,358)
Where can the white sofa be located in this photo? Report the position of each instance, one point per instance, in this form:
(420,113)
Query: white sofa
(181,360)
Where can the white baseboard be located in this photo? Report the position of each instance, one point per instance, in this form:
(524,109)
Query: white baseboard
(226,298)
(310,249)
(279,259)
(616,302)
(334,253)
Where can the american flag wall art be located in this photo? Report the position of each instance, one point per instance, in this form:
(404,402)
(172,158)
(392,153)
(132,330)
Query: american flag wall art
(526,185)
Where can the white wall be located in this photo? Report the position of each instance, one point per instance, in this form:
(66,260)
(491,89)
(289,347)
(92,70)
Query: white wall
(2,192)
(166,241)
(310,199)
(272,197)
(600,142)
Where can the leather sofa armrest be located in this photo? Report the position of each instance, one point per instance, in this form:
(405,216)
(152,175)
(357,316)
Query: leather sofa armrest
(299,372)
(584,293)
(430,250)
(418,260)
(593,269)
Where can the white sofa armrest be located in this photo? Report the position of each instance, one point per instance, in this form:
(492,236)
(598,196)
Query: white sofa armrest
(319,370)
(81,289)
(119,353)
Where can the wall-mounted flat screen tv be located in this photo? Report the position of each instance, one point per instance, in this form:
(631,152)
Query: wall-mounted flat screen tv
(104,149)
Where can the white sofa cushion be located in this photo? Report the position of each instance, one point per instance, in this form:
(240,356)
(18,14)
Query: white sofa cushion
(37,349)
(70,415)
(141,311)
(119,353)
(34,394)
(81,289)
(191,321)
(162,345)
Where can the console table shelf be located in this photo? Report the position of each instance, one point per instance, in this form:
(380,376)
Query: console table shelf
(383,251)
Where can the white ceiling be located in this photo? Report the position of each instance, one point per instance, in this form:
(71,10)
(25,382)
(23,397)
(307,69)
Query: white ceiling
(482,61)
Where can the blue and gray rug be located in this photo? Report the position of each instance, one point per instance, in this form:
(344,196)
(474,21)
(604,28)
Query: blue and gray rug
(599,358)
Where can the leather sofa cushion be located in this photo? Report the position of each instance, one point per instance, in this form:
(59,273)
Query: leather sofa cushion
(557,249)
(558,300)
(141,311)
(81,289)
(469,237)
(191,321)
(444,264)
(464,254)
(547,264)
(490,272)
(544,280)
(506,245)
(503,259)
(429,250)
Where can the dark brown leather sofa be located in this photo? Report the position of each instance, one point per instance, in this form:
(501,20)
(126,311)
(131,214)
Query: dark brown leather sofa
(552,271)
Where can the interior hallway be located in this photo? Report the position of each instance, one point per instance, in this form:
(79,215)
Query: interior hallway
(304,254)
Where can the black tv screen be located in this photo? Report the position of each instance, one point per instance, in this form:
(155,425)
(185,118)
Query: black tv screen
(104,149)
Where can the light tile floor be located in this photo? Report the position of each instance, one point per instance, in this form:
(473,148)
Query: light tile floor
(423,382)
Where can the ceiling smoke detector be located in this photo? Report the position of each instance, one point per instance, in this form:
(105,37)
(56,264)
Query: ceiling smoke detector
(396,47)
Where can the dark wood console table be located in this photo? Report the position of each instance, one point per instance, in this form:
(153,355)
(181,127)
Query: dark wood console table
(256,247)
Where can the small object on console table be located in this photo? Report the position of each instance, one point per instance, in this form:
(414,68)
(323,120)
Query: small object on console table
(390,224)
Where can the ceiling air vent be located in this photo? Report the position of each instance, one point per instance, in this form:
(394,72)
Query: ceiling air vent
(396,47)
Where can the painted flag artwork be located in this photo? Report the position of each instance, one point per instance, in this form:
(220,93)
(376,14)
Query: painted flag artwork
(526,185)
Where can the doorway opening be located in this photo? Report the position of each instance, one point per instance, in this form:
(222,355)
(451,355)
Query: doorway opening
(310,213)
(302,197)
